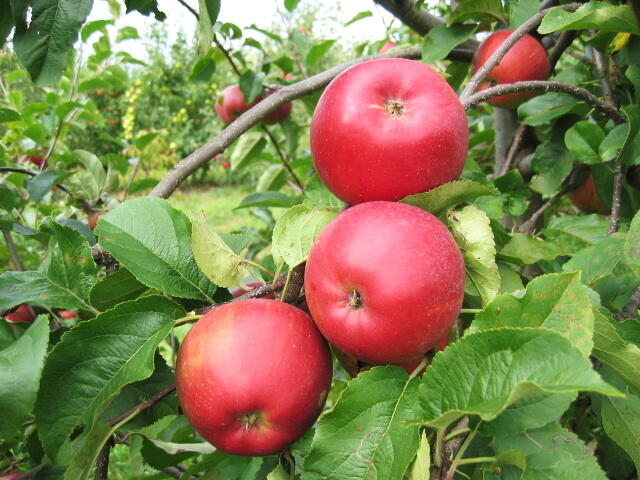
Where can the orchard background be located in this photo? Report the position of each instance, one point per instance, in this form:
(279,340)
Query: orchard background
(541,376)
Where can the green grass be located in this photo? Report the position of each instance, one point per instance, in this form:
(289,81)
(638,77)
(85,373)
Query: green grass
(218,204)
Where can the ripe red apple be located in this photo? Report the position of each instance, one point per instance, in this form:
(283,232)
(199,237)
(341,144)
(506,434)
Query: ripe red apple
(232,104)
(225,164)
(21,314)
(388,128)
(238,291)
(384,282)
(37,160)
(586,197)
(11,476)
(280,113)
(92,221)
(526,60)
(68,314)
(388,45)
(253,375)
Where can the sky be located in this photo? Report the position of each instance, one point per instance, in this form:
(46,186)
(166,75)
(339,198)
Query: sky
(246,12)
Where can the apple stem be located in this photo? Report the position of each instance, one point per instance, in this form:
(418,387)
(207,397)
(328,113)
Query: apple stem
(470,310)
(394,108)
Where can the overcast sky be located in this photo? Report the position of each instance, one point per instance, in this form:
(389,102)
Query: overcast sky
(246,12)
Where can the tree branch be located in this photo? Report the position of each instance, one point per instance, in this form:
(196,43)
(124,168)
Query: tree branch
(293,285)
(601,64)
(504,121)
(529,225)
(13,252)
(142,406)
(227,55)
(24,171)
(501,51)
(102,464)
(545,86)
(518,136)
(254,115)
(564,41)
(616,199)
(283,159)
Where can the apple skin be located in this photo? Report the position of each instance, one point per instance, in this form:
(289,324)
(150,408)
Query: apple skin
(92,221)
(38,161)
(388,45)
(11,476)
(526,60)
(67,314)
(21,314)
(586,197)
(388,128)
(232,104)
(238,291)
(384,282)
(259,358)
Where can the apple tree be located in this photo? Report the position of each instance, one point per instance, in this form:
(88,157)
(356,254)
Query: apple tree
(447,284)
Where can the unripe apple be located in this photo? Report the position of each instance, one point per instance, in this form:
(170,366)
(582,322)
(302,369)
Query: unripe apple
(388,128)
(384,282)
(92,221)
(21,314)
(586,197)
(526,60)
(388,45)
(253,375)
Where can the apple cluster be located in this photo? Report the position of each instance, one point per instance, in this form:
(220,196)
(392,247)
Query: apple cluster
(384,282)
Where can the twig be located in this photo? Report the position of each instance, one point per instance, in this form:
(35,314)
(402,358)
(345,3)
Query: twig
(632,305)
(293,285)
(564,41)
(133,176)
(460,452)
(104,258)
(142,406)
(451,447)
(172,472)
(24,171)
(188,7)
(13,252)
(501,51)
(616,199)
(227,55)
(102,464)
(30,473)
(600,62)
(254,115)
(529,225)
(545,86)
(505,125)
(582,58)
(283,159)
(513,150)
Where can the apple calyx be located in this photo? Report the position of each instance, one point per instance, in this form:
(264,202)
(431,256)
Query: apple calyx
(355,300)
(252,420)
(395,108)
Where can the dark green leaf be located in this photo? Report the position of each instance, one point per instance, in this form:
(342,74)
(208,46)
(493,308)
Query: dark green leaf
(145,7)
(251,85)
(116,288)
(247,148)
(632,245)
(365,435)
(521,11)
(72,393)
(441,39)
(543,108)
(41,184)
(583,140)
(45,44)
(266,199)
(8,115)
(478,10)
(35,288)
(79,227)
(317,195)
(599,260)
(20,367)
(318,51)
(203,69)
(153,241)
(448,195)
(213,9)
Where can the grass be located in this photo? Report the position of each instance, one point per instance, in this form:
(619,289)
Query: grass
(218,205)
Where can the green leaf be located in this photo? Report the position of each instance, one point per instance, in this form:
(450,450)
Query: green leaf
(153,241)
(6,25)
(583,140)
(543,108)
(213,9)
(290,5)
(551,453)
(41,184)
(529,250)
(266,199)
(632,245)
(613,142)
(90,181)
(35,288)
(521,11)
(9,115)
(296,231)
(247,148)
(366,434)
(557,301)
(472,232)
(84,460)
(359,16)
(515,194)
(419,469)
(317,195)
(552,163)
(116,288)
(273,178)
(203,70)
(614,351)
(73,393)
(598,261)
(278,473)
(621,418)
(145,7)
(251,85)
(127,33)
(478,10)
(318,51)
(44,46)
(495,368)
(20,368)
(600,16)
(214,257)
(92,27)
(441,39)
(448,195)
(144,140)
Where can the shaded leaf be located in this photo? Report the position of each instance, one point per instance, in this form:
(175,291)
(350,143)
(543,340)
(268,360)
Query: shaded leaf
(600,16)
(441,39)
(449,195)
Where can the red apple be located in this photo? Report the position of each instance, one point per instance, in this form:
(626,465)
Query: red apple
(287,76)
(384,282)
(388,45)
(68,314)
(526,60)
(231,104)
(280,113)
(586,197)
(238,291)
(253,375)
(388,128)
(37,160)
(92,221)
(11,476)
(21,314)
(225,164)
